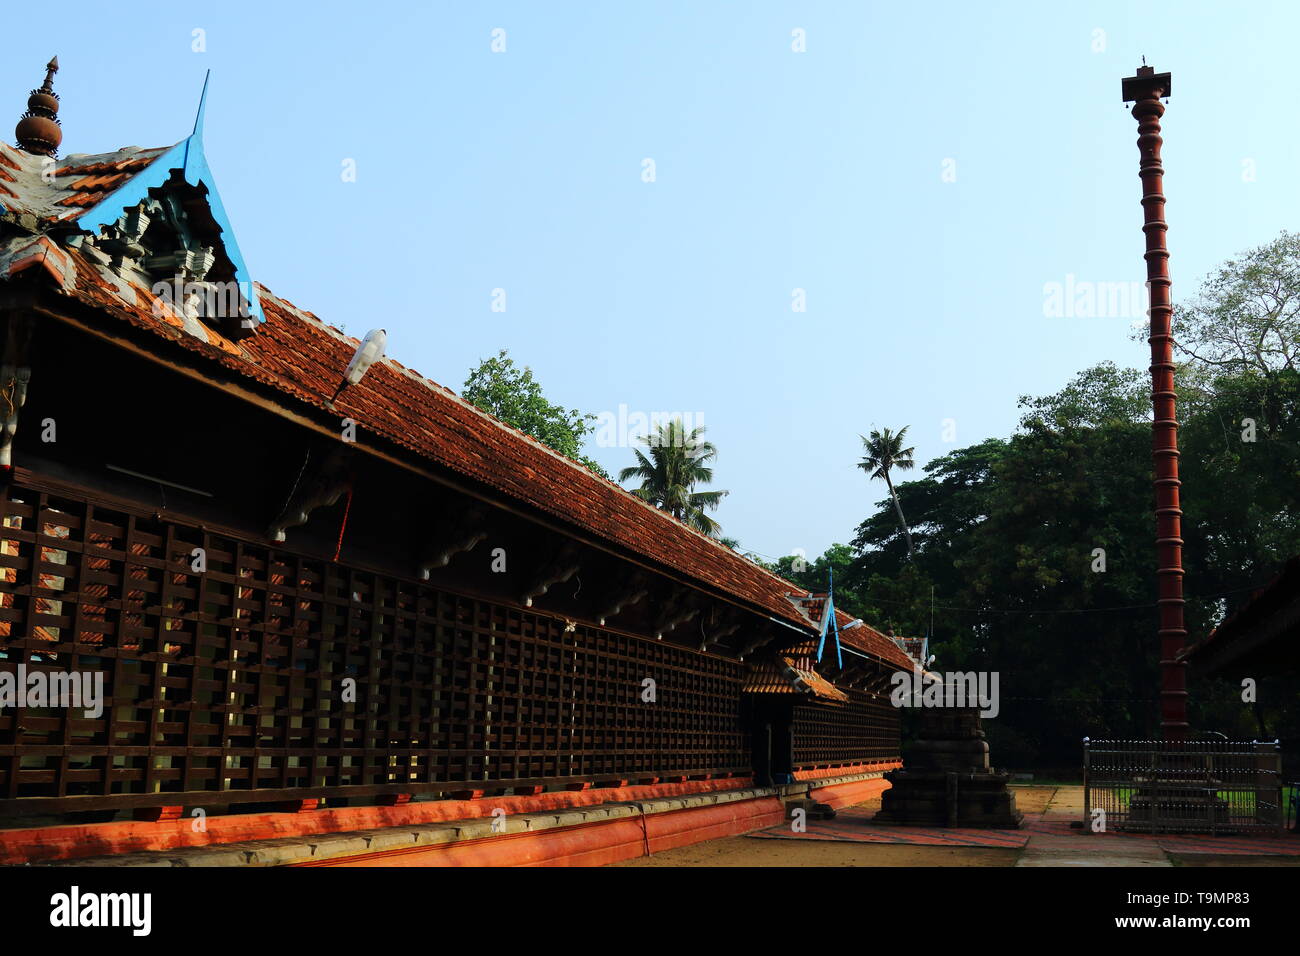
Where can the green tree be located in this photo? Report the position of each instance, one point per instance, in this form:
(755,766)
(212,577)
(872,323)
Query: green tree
(882,453)
(1007,533)
(1246,316)
(678,461)
(501,388)
(814,575)
(1096,396)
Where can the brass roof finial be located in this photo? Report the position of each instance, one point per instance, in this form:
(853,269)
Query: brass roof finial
(38,129)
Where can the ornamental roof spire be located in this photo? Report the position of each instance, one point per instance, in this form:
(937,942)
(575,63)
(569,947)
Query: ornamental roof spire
(38,129)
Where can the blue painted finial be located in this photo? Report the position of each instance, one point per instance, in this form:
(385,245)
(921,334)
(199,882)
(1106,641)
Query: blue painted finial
(188,157)
(203,105)
(829,622)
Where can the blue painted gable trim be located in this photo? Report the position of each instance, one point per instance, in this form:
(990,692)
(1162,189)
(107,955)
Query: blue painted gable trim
(187,156)
(830,624)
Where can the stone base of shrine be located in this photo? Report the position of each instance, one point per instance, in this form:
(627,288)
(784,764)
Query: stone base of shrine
(938,798)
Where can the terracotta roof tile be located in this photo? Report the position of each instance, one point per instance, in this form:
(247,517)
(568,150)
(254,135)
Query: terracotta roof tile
(789,674)
(297,354)
(303,358)
(861,636)
(1262,604)
(78,183)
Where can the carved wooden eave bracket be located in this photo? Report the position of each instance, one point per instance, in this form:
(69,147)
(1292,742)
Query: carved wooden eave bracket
(15,374)
(560,567)
(633,592)
(463,532)
(320,484)
(760,639)
(878,684)
(675,614)
(715,631)
(875,680)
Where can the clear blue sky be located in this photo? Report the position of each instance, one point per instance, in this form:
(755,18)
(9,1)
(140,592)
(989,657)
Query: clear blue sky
(775,170)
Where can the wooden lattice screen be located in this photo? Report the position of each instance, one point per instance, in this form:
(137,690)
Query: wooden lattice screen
(864,729)
(296,676)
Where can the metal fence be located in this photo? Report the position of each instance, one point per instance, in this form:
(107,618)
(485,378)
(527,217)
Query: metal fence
(1189,786)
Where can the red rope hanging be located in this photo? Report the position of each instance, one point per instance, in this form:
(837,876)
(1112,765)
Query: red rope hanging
(344,526)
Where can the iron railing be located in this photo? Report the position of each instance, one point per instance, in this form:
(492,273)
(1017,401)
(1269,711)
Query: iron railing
(1188,786)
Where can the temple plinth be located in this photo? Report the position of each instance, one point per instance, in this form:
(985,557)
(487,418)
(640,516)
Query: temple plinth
(948,781)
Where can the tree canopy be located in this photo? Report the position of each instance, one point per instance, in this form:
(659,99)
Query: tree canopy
(1040,546)
(512,394)
(678,461)
(1040,550)
(1246,317)
(882,454)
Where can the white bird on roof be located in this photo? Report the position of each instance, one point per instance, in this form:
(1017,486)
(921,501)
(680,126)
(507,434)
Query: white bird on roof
(370,351)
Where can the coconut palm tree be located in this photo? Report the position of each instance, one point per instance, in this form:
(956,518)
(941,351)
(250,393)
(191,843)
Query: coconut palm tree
(676,464)
(883,452)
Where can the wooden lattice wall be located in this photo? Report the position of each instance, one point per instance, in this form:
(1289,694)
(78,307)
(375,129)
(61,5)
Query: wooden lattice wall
(238,677)
(864,729)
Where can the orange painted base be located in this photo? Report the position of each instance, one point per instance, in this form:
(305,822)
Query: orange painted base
(592,844)
(589,844)
(77,841)
(850,794)
(597,844)
(847,770)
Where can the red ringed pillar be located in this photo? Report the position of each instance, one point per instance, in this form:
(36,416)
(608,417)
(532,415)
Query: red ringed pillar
(1145,91)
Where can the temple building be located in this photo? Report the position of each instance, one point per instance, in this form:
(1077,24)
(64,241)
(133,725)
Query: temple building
(1260,638)
(1260,642)
(307,575)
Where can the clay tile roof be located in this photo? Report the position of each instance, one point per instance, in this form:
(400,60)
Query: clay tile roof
(790,674)
(79,181)
(299,356)
(817,685)
(867,639)
(861,636)
(1270,601)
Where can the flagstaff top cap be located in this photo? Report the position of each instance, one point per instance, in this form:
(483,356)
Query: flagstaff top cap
(1147,84)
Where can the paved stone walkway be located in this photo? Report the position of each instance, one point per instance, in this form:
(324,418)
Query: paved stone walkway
(1047,838)
(1053,843)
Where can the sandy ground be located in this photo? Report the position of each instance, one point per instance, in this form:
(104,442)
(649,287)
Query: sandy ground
(748,851)
(1207,859)
(743,851)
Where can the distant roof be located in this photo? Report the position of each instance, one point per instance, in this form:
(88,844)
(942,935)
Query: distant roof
(855,634)
(1262,636)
